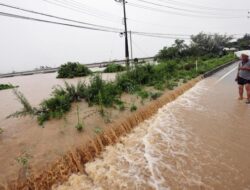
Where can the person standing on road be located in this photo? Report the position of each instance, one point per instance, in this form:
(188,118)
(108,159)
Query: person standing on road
(243,77)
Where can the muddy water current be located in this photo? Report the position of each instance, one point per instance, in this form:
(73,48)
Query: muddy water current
(199,141)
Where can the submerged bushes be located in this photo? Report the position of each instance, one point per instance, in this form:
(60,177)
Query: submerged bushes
(114,68)
(27,108)
(6,86)
(60,102)
(71,70)
(166,74)
(54,107)
(102,92)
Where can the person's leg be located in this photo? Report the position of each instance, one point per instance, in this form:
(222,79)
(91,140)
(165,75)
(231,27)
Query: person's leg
(241,91)
(248,92)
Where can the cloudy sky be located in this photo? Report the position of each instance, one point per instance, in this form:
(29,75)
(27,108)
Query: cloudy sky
(27,44)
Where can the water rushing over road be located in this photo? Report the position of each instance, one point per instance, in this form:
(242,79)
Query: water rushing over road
(199,141)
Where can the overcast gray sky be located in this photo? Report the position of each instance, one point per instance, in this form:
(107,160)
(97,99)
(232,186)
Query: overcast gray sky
(26,45)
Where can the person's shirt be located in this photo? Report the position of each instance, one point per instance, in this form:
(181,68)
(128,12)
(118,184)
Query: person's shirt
(244,73)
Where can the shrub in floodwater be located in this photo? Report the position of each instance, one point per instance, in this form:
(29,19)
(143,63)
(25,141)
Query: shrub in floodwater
(159,85)
(98,130)
(7,86)
(125,84)
(79,126)
(120,105)
(72,69)
(27,108)
(141,74)
(76,92)
(23,160)
(101,92)
(133,108)
(171,84)
(113,68)
(107,117)
(143,94)
(42,117)
(54,107)
(155,95)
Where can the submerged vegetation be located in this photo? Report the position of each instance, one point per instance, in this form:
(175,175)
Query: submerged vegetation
(165,75)
(27,108)
(71,70)
(98,130)
(176,65)
(79,126)
(133,108)
(114,68)
(6,86)
(23,160)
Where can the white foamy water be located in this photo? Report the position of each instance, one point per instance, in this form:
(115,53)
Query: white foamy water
(158,148)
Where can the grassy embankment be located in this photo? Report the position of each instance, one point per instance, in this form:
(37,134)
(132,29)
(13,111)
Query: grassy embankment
(135,81)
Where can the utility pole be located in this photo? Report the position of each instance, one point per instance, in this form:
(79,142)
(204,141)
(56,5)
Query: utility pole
(131,45)
(126,31)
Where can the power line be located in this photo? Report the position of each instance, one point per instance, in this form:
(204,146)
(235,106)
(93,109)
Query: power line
(201,6)
(180,14)
(67,6)
(176,8)
(93,26)
(56,17)
(82,10)
(161,36)
(83,27)
(53,22)
(97,10)
(85,23)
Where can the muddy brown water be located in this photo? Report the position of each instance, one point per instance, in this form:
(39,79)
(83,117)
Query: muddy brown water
(22,137)
(199,141)
(35,88)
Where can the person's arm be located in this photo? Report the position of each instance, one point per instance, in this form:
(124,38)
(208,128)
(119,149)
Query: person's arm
(245,68)
(237,76)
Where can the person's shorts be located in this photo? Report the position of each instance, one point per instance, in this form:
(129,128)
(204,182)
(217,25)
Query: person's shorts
(242,81)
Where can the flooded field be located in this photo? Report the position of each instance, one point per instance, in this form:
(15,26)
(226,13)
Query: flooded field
(24,139)
(35,88)
(199,141)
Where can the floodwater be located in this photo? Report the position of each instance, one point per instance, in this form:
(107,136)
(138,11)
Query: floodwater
(199,141)
(35,88)
(23,136)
